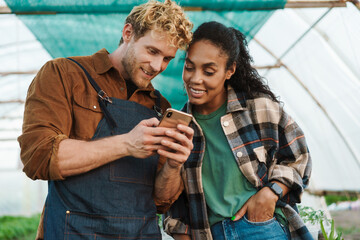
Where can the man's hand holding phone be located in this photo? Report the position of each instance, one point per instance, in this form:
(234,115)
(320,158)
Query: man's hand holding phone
(180,136)
(178,145)
(173,117)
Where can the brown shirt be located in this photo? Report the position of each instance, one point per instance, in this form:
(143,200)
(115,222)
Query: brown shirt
(61,104)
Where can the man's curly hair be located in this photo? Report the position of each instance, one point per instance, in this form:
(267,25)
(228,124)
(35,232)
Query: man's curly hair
(167,17)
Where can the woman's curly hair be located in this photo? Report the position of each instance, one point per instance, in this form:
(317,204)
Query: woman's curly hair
(165,17)
(233,43)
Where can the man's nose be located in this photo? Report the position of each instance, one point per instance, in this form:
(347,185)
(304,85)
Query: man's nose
(156,64)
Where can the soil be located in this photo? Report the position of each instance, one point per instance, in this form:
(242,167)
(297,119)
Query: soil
(347,222)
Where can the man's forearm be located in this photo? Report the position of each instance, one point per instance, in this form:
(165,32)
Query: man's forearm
(77,156)
(168,182)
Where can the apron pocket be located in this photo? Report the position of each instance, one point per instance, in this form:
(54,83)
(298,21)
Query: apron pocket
(92,226)
(134,170)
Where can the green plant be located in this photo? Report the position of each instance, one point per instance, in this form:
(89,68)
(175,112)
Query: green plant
(18,227)
(348,230)
(336,198)
(331,233)
(308,214)
(160,220)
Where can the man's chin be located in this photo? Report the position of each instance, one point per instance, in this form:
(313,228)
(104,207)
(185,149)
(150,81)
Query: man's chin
(143,84)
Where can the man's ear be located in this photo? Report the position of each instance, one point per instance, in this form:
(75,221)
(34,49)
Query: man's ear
(127,32)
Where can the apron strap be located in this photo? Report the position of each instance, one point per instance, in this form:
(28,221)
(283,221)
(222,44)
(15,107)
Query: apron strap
(157,106)
(103,97)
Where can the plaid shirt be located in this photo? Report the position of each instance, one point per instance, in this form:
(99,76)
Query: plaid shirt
(267,145)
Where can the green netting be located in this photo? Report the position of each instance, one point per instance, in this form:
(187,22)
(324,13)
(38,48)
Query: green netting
(170,83)
(80,34)
(102,6)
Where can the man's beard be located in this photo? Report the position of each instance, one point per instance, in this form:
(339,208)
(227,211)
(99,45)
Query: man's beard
(129,63)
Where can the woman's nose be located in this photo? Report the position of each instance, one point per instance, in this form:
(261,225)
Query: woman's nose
(196,77)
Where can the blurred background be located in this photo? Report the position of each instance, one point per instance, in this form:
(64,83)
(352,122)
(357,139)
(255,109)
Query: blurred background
(308,52)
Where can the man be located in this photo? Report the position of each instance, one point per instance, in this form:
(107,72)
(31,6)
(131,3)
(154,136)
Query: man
(89,129)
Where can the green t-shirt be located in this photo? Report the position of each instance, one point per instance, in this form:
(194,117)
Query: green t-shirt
(226,188)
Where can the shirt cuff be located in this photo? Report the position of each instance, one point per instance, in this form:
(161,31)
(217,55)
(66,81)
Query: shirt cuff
(54,171)
(174,226)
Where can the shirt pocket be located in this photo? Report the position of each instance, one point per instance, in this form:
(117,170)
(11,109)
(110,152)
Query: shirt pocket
(86,116)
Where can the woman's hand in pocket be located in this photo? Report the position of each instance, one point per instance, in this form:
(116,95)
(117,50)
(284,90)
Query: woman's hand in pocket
(260,207)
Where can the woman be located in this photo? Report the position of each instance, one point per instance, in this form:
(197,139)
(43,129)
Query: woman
(250,161)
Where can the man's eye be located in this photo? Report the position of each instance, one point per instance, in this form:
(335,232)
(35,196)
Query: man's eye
(152,51)
(208,73)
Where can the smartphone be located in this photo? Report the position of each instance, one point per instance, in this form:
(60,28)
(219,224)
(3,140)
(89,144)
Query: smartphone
(173,117)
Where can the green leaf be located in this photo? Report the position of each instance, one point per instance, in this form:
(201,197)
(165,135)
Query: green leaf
(323,230)
(332,232)
(339,236)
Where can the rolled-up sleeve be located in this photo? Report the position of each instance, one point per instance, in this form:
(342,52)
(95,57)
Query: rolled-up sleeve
(47,121)
(292,162)
(164,205)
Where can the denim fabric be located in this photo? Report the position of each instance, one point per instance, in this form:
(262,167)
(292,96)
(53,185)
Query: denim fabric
(244,229)
(113,201)
(261,134)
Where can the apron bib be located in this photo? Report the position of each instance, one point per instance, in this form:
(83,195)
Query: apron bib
(115,200)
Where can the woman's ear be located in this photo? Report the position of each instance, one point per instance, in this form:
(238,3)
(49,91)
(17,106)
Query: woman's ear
(231,71)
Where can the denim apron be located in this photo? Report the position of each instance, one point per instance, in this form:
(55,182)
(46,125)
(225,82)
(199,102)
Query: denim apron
(113,201)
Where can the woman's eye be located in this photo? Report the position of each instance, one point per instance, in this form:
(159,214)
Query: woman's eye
(208,73)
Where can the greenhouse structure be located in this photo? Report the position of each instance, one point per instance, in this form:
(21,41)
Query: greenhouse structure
(308,51)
